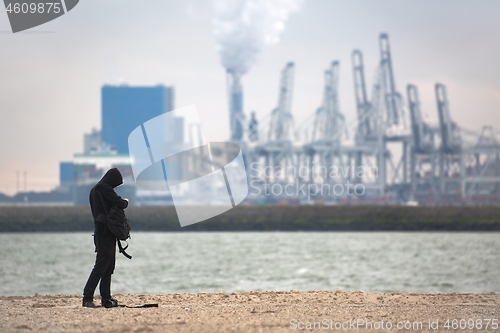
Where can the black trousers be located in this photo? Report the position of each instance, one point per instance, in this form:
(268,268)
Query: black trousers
(103,268)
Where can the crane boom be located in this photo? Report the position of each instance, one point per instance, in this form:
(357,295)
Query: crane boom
(388,77)
(281,118)
(450,133)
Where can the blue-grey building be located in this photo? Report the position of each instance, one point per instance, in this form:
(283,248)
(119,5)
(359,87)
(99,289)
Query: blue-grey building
(125,107)
(66,174)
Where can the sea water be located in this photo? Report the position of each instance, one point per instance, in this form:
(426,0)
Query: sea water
(59,263)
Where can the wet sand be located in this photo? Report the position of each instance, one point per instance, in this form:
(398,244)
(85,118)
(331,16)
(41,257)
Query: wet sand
(256,312)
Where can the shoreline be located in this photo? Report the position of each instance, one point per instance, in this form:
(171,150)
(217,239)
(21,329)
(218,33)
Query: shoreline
(264,218)
(255,311)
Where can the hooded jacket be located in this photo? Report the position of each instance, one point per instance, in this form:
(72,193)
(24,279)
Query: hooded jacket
(105,187)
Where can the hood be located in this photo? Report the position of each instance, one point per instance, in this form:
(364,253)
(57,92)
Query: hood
(113,178)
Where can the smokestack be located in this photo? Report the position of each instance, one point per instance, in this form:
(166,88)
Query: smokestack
(243,29)
(235,97)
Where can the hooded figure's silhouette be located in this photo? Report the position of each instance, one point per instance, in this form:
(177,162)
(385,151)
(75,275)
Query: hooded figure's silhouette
(104,240)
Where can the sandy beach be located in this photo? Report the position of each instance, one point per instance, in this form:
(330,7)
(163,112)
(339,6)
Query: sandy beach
(256,312)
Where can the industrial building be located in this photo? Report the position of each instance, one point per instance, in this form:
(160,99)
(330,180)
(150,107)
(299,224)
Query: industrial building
(125,107)
(89,169)
(66,175)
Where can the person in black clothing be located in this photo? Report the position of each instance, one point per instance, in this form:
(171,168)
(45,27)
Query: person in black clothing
(104,240)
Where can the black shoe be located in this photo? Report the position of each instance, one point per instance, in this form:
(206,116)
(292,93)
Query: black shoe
(110,303)
(89,304)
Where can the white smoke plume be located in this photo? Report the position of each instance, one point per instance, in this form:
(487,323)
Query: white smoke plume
(244,28)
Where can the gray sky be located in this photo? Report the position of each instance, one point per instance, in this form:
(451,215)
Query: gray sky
(52,74)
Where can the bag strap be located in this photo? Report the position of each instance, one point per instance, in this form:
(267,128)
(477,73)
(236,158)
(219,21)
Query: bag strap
(122,249)
(150,305)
